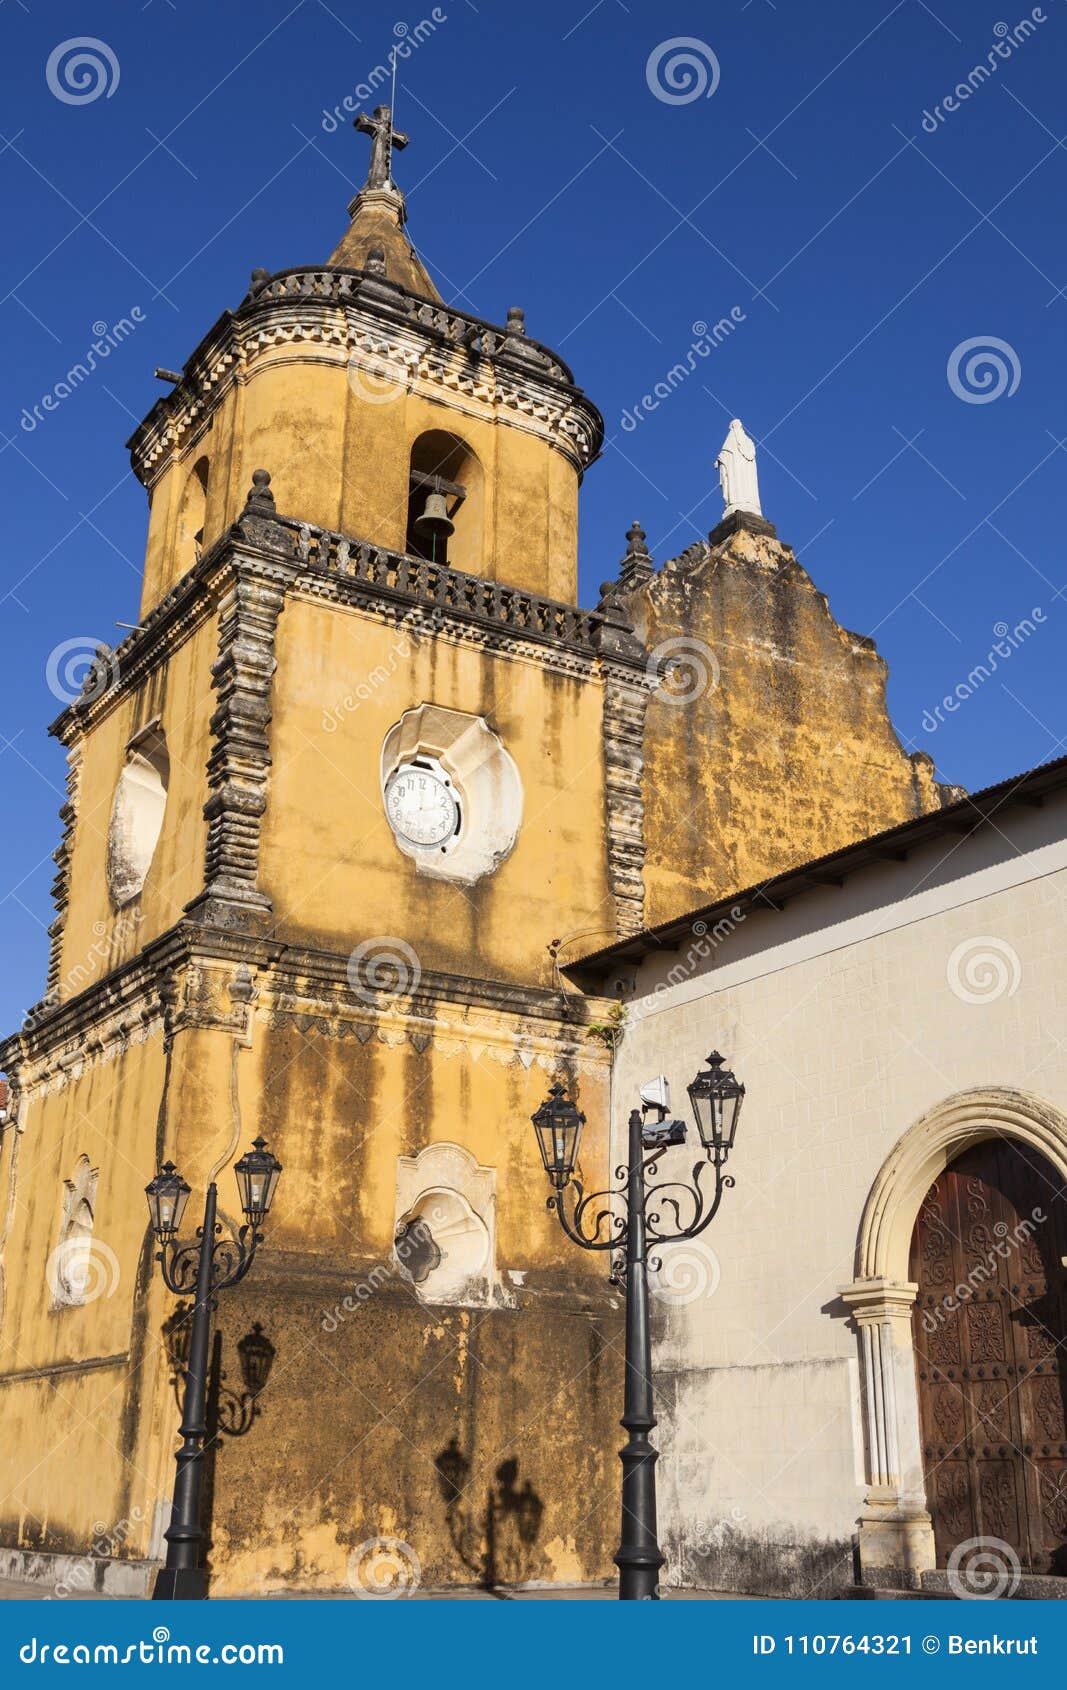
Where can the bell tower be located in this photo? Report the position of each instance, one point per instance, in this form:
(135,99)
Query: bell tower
(333,807)
(365,394)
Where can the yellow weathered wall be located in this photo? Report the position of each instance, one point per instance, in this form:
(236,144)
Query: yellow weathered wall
(340,460)
(785,752)
(361,1401)
(76,1453)
(538,1382)
(328,857)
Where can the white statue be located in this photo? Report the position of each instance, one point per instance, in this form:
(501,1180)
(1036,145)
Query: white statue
(736,464)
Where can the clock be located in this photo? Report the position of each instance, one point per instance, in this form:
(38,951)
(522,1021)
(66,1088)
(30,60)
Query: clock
(420,805)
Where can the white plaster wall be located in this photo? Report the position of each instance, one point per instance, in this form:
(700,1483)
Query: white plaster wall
(838,1014)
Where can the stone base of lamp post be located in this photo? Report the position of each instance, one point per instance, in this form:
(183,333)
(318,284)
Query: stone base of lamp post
(180,1584)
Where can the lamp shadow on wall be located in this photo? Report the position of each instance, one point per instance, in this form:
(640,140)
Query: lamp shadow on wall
(228,1413)
(494,1539)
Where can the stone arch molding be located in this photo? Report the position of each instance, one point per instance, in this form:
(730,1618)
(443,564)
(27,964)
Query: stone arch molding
(925,1151)
(453,1196)
(896,1539)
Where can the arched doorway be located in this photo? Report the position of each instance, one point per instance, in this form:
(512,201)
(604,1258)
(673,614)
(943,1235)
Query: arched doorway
(988,1328)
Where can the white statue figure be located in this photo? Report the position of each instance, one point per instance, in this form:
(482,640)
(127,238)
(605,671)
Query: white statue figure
(736,464)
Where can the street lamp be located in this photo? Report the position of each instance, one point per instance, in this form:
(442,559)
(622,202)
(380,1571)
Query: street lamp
(596,1223)
(212,1264)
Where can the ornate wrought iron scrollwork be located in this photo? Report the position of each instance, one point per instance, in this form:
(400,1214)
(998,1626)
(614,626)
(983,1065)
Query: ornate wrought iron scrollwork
(693,1208)
(231,1258)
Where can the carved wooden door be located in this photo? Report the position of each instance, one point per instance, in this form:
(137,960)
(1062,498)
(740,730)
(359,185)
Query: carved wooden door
(989,1327)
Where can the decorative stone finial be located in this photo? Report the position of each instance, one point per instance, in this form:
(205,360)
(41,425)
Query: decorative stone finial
(515,343)
(636,568)
(260,498)
(100,673)
(259,280)
(242,987)
(257,521)
(613,632)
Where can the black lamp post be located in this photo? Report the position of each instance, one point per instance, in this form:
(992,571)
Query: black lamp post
(212,1264)
(596,1223)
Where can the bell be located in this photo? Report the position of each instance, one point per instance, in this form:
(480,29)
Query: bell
(435,522)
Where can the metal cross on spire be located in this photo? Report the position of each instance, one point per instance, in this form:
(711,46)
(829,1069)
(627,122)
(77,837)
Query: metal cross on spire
(383,139)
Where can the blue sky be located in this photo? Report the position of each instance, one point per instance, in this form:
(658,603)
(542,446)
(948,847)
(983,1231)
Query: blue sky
(545,169)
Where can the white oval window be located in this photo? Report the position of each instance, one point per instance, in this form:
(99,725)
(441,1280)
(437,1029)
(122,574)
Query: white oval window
(137,814)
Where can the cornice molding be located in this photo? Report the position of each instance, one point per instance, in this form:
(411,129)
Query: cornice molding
(339,316)
(182,982)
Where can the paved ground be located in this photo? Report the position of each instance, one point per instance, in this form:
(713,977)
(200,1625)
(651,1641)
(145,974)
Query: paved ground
(12,1591)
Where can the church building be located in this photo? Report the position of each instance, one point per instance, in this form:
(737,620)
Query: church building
(348,815)
(859,1367)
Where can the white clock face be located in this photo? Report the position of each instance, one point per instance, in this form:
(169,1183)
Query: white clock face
(420,806)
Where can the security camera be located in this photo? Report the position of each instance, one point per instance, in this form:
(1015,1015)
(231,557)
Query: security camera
(658,1135)
(656,1094)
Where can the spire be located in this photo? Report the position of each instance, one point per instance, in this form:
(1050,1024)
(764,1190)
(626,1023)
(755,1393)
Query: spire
(379,212)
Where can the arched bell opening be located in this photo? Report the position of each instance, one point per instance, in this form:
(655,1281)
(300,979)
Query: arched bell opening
(193,514)
(446,502)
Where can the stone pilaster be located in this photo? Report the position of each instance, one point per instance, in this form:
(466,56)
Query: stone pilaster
(896,1538)
(239,765)
(68,815)
(625,707)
